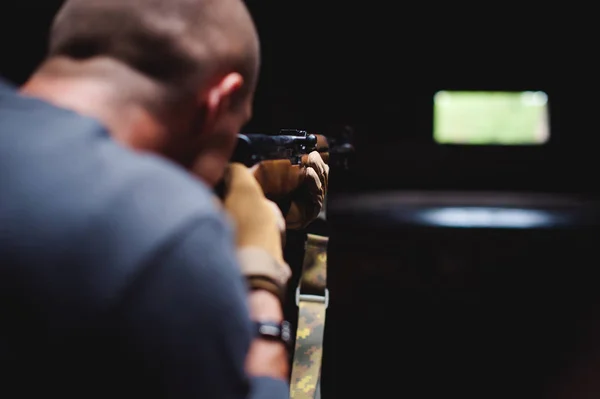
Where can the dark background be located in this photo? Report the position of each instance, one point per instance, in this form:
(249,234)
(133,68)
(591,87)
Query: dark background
(423,312)
(376,68)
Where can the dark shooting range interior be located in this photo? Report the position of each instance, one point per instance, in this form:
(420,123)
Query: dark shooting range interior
(464,231)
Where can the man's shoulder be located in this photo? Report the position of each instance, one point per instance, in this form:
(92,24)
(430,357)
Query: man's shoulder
(72,162)
(96,212)
(81,189)
(147,202)
(145,198)
(5,86)
(146,209)
(152,185)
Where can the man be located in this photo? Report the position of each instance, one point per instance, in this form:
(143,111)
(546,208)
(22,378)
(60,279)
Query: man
(118,271)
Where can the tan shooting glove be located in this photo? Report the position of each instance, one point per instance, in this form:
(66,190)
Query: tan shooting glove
(305,187)
(259,226)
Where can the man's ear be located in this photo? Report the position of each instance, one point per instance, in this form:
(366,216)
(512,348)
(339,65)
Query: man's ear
(219,96)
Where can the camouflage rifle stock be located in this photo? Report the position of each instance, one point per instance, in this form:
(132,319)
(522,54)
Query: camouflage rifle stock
(312,299)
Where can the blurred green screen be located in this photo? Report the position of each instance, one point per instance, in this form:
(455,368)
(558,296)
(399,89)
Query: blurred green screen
(491,118)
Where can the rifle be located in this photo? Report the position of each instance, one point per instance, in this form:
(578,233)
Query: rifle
(289,144)
(292,144)
(337,150)
(295,145)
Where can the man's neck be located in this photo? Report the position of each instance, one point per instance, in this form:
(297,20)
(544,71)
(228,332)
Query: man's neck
(83,87)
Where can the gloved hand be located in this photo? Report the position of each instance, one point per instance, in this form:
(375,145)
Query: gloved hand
(304,187)
(259,225)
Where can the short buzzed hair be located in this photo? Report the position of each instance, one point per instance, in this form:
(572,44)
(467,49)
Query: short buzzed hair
(177,43)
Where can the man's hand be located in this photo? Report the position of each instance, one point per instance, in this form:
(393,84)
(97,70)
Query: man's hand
(259,226)
(305,187)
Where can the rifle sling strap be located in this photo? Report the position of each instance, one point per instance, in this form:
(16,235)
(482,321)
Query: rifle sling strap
(312,298)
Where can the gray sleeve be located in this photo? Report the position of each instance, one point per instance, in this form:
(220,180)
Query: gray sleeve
(186,318)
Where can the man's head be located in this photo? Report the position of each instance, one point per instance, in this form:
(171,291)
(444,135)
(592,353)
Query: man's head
(202,57)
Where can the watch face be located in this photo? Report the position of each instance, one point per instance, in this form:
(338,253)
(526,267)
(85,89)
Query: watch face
(276,331)
(269,329)
(286,333)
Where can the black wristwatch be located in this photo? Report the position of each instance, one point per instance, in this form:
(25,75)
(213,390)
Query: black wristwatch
(274,331)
